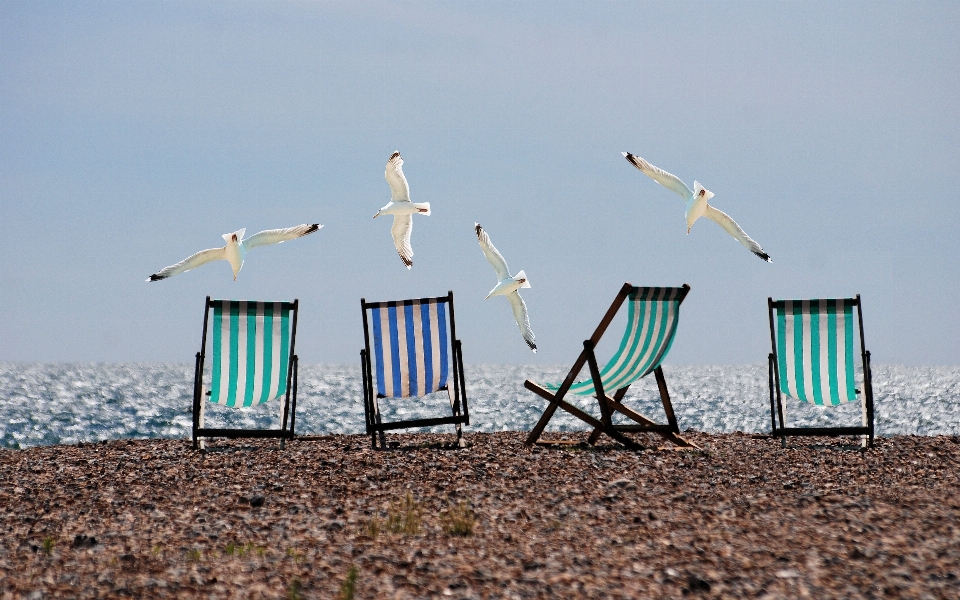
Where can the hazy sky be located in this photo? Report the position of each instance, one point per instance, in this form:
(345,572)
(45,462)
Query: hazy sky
(133,134)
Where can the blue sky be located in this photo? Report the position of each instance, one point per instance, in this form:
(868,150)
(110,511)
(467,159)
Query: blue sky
(134,134)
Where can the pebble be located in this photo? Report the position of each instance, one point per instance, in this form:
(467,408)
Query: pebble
(740,517)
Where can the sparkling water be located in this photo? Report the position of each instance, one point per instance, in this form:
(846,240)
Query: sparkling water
(68,403)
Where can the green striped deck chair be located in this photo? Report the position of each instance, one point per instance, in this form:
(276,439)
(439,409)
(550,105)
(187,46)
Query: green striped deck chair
(252,362)
(413,344)
(652,317)
(813,362)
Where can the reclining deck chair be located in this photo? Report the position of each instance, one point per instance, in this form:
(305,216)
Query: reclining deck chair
(253,362)
(411,347)
(812,361)
(652,319)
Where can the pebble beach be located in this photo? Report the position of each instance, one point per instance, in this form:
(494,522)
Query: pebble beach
(330,517)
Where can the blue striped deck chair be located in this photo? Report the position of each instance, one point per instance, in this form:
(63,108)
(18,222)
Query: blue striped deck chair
(813,362)
(652,317)
(414,353)
(253,361)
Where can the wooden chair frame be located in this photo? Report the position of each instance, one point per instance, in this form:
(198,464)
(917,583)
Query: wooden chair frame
(608,404)
(460,413)
(779,430)
(290,399)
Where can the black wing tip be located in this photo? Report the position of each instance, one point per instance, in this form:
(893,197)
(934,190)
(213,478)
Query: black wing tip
(477,229)
(406,261)
(532,345)
(764,256)
(396,154)
(312,228)
(156,277)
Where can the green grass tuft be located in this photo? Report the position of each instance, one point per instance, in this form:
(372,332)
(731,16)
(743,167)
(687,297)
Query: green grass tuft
(349,585)
(405,516)
(458,520)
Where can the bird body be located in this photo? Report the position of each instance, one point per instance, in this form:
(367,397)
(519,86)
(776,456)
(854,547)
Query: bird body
(508,286)
(235,250)
(401,208)
(697,201)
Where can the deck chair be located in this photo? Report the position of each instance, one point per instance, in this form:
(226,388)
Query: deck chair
(812,361)
(653,313)
(253,361)
(411,358)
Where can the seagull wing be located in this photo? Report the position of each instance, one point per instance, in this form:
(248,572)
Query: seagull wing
(402,227)
(191,262)
(520,314)
(667,180)
(399,190)
(495,258)
(276,236)
(724,220)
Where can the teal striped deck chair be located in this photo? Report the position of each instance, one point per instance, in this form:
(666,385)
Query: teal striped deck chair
(252,361)
(813,362)
(652,317)
(415,353)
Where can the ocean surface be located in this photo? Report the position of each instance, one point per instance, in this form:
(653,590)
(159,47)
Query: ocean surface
(46,404)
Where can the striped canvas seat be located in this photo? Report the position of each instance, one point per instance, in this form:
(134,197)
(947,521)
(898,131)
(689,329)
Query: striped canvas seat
(251,352)
(652,317)
(252,362)
(415,352)
(410,347)
(815,350)
(812,361)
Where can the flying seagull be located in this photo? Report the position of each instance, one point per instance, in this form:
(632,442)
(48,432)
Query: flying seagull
(401,208)
(507,286)
(235,250)
(697,203)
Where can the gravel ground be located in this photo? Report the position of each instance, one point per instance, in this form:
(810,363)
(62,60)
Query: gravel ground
(740,517)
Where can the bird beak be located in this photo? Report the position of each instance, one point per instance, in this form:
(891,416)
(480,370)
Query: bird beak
(234,277)
(376,215)
(488,297)
(688,231)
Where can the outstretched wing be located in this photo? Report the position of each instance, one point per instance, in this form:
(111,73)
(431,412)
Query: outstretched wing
(724,220)
(399,190)
(495,258)
(667,180)
(276,236)
(523,321)
(191,262)
(402,227)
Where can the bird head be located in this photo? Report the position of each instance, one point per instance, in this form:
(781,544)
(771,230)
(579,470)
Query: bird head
(521,278)
(700,192)
(234,238)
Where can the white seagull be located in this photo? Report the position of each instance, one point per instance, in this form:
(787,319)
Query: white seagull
(401,208)
(508,286)
(235,250)
(697,203)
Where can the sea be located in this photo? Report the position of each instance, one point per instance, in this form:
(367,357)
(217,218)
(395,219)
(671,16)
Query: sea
(45,404)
